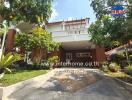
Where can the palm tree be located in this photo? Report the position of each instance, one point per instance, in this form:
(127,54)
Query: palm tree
(6,62)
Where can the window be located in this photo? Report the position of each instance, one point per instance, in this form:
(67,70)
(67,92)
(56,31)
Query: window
(68,27)
(83,26)
(83,54)
(69,56)
(79,32)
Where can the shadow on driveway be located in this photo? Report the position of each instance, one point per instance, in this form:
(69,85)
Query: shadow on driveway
(74,85)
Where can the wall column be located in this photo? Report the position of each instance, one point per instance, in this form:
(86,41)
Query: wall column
(100,53)
(10,40)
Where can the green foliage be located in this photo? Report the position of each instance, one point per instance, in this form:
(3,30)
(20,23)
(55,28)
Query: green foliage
(19,76)
(118,57)
(3,28)
(128,70)
(108,31)
(130,9)
(105,67)
(8,59)
(110,67)
(46,64)
(98,33)
(129,27)
(37,66)
(22,40)
(103,7)
(114,67)
(38,38)
(99,7)
(34,11)
(53,59)
(130,56)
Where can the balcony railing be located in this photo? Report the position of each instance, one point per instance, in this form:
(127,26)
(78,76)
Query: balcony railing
(64,36)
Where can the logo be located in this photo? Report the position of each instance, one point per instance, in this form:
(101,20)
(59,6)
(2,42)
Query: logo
(117,11)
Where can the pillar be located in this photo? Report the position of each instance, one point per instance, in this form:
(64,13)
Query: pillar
(100,53)
(10,40)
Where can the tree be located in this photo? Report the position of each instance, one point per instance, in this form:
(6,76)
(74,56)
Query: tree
(110,31)
(37,39)
(130,9)
(103,7)
(33,11)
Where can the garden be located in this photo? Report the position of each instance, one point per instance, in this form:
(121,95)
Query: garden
(114,30)
(15,67)
(27,58)
(118,67)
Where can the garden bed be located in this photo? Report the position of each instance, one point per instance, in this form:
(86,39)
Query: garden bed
(121,75)
(19,76)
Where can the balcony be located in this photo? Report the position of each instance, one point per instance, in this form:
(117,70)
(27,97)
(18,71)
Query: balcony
(64,36)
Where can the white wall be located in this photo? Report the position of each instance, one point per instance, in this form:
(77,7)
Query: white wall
(54,28)
(73,31)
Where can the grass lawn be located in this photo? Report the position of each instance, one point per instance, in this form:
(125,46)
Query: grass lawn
(13,78)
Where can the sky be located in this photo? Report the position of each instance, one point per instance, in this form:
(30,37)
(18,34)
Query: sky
(71,9)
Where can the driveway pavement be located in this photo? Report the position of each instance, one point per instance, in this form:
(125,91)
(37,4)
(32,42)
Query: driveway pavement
(74,84)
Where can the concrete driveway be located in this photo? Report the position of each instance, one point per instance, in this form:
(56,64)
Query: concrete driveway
(74,84)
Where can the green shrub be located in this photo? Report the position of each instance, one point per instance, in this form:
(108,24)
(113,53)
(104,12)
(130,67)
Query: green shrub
(130,57)
(118,57)
(114,67)
(128,70)
(53,59)
(105,67)
(45,64)
(36,66)
(7,61)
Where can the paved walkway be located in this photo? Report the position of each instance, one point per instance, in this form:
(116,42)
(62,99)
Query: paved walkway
(74,84)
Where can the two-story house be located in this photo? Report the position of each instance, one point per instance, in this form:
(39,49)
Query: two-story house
(76,45)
